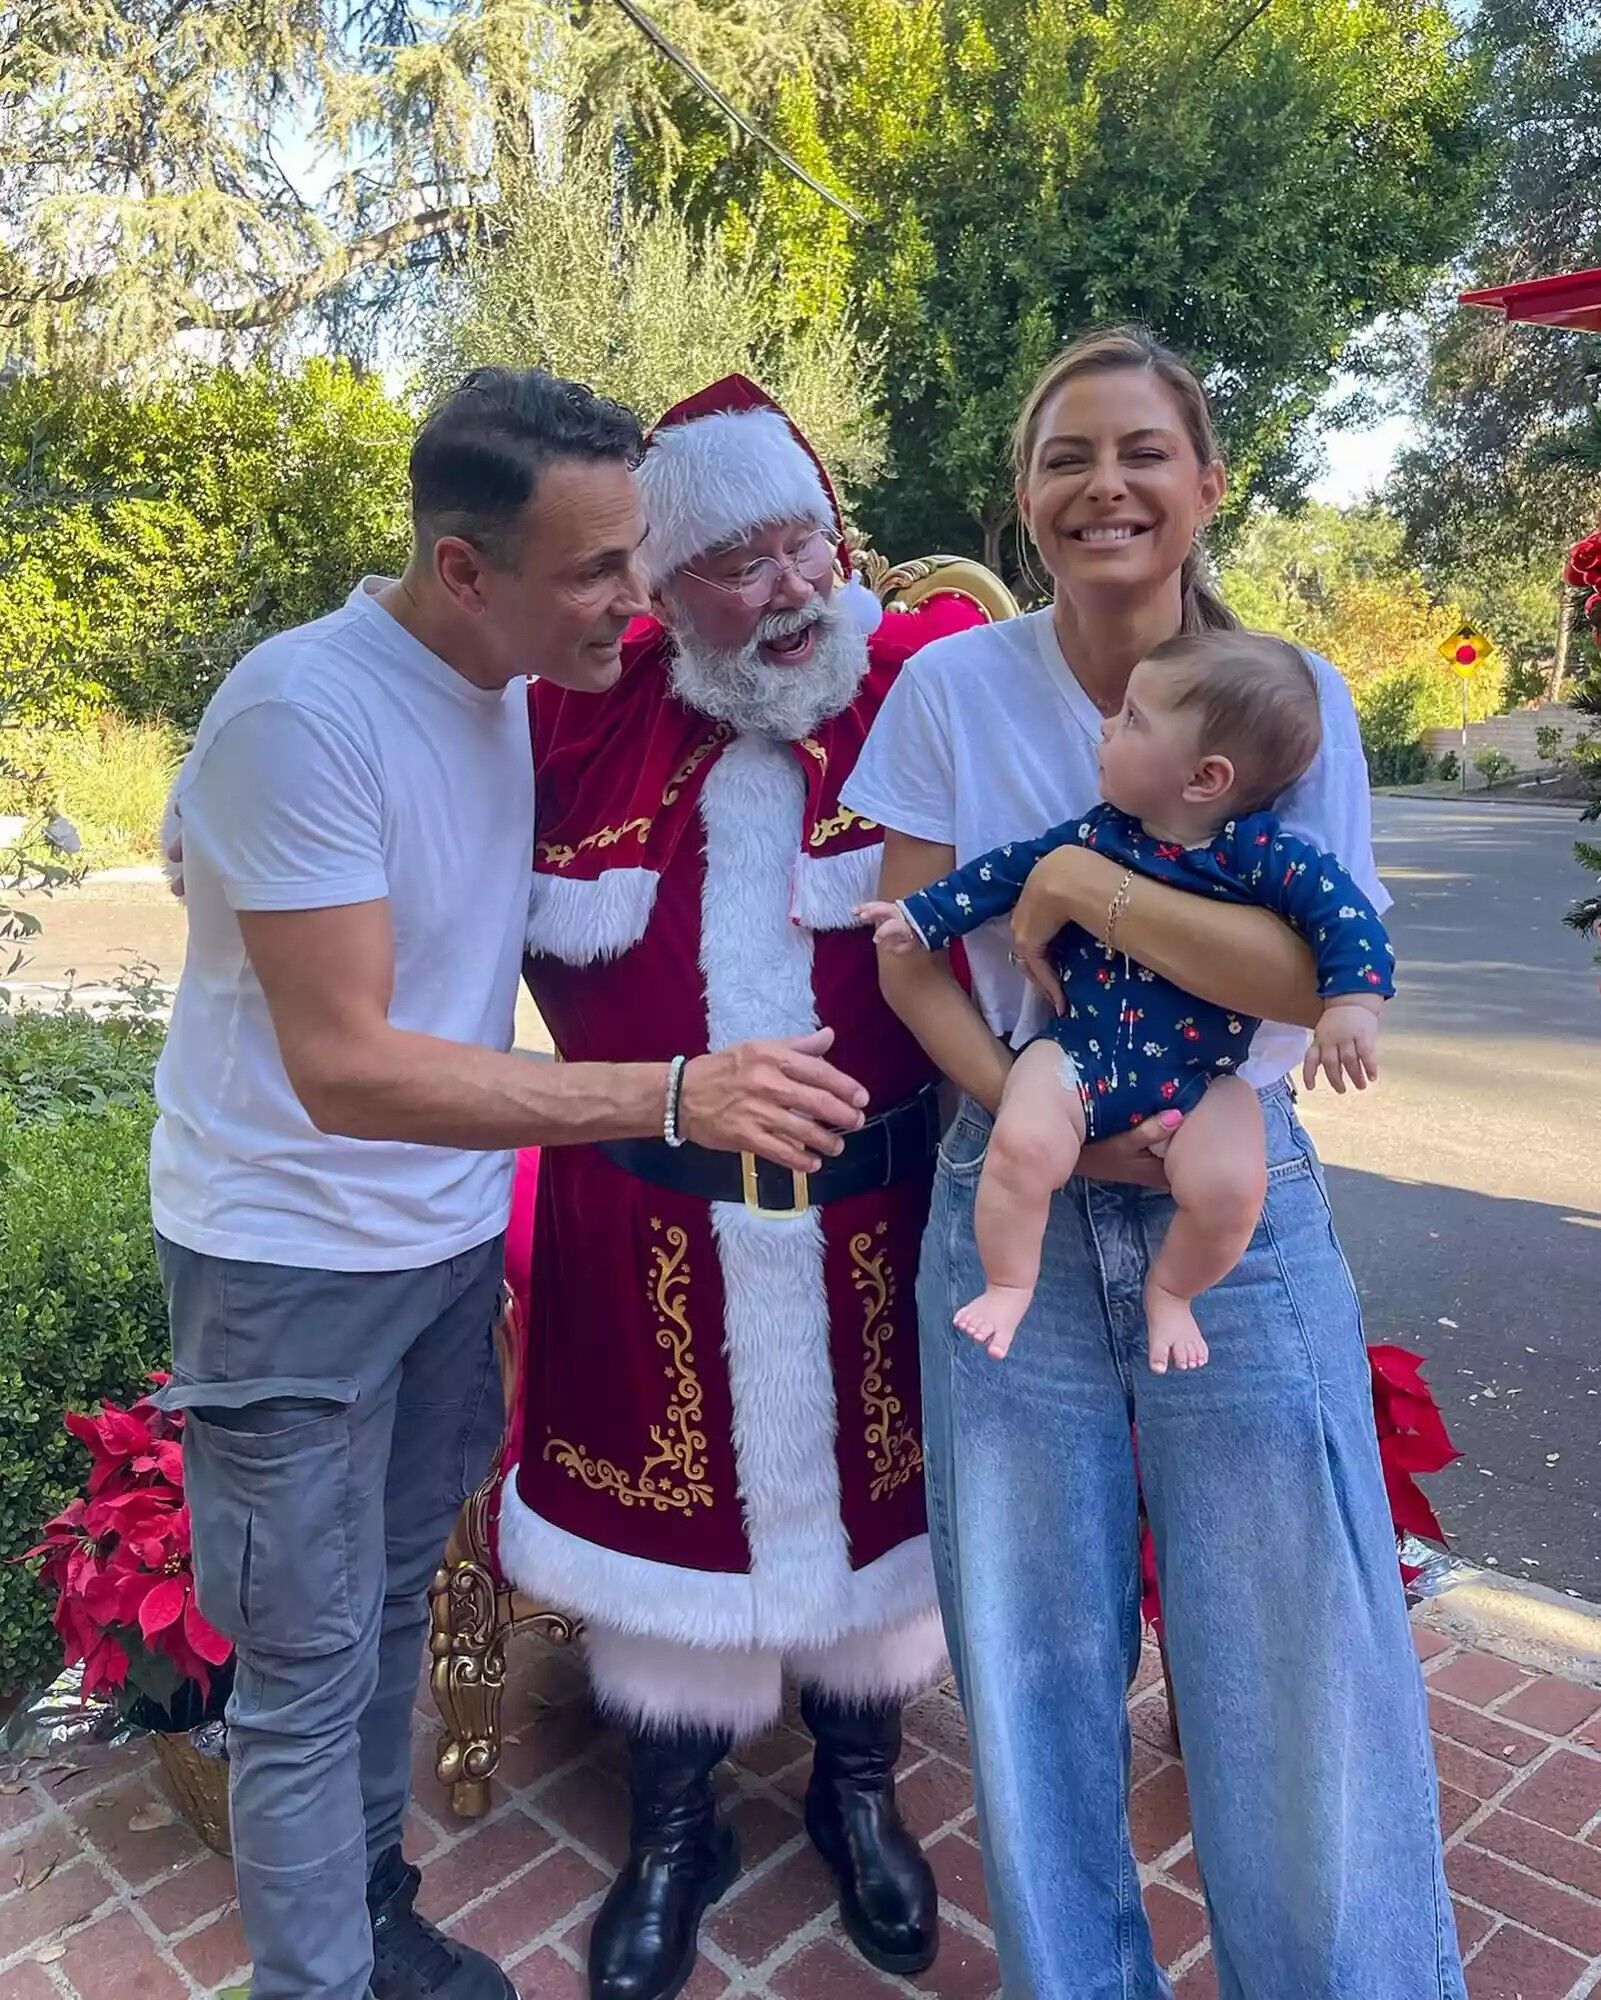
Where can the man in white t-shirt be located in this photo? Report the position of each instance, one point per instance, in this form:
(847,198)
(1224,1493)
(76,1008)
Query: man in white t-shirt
(330,1174)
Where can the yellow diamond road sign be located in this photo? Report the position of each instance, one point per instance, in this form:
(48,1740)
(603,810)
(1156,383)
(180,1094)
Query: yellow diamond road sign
(1465,650)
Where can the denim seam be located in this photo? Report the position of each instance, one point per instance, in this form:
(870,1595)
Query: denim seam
(1127,1866)
(469,1425)
(1307,1347)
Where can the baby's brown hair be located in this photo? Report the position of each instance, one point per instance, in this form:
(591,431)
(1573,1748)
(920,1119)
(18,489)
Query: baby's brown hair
(1255,697)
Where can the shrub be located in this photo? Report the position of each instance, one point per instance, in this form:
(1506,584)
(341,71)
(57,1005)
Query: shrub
(1450,766)
(146,540)
(1548,743)
(52,1064)
(109,777)
(1494,766)
(1400,764)
(81,1311)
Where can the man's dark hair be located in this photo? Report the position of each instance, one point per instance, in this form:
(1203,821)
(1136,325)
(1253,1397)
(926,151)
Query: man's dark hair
(477,461)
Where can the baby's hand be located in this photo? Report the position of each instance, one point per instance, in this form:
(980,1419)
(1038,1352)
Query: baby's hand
(1345,1043)
(891,931)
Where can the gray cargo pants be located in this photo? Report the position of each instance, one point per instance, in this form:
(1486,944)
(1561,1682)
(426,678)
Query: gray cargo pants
(336,1421)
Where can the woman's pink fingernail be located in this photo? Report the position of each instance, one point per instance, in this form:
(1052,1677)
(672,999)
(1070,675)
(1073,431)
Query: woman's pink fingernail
(1170,1118)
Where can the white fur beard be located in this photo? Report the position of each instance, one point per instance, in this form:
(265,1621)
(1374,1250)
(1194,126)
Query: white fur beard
(756,698)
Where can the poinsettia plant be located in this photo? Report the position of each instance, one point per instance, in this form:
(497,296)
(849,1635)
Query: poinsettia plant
(120,1561)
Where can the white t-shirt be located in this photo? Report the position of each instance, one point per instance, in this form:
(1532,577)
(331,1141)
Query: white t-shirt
(341,763)
(987,737)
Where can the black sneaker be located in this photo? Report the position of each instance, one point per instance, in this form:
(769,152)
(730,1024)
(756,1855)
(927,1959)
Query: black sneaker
(411,1959)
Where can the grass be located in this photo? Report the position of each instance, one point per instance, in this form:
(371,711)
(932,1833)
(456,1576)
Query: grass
(109,776)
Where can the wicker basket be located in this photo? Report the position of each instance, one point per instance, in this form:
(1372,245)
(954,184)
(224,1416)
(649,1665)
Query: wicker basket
(200,1785)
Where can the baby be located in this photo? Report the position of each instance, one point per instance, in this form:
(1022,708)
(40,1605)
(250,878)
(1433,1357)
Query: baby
(1213,727)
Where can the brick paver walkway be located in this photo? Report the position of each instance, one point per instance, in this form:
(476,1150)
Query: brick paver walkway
(98,1903)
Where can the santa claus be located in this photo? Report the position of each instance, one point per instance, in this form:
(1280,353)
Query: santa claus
(721,1471)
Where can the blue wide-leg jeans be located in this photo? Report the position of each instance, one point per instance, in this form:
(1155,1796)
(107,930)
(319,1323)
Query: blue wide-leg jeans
(1299,1698)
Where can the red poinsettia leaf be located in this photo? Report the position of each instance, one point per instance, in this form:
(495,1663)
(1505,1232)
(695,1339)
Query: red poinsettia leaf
(105,1670)
(1398,1366)
(169,1461)
(1410,1512)
(86,1430)
(204,1637)
(112,1597)
(163,1605)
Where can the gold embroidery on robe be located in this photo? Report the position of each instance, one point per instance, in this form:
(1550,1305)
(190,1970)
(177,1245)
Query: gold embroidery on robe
(673,1478)
(825,829)
(892,1446)
(693,762)
(559,856)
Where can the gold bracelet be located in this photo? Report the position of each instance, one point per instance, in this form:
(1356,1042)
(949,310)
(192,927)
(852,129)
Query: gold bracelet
(1115,909)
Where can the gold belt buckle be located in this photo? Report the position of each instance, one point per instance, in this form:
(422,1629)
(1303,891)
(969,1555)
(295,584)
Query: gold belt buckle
(753,1198)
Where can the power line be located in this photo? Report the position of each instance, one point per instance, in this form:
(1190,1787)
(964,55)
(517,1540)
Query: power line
(703,83)
(1250,21)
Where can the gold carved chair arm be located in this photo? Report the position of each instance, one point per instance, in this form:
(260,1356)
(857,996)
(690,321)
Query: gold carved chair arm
(903,586)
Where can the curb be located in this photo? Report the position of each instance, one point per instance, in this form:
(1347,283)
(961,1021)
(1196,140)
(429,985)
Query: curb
(1422,795)
(1526,1621)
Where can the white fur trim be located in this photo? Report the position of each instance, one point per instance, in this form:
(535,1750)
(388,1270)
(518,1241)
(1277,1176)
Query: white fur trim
(720,478)
(663,1683)
(863,605)
(578,921)
(829,887)
(758,971)
(892,1664)
(701,1607)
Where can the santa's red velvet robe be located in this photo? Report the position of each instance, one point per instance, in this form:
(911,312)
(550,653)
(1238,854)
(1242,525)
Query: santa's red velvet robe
(720,1437)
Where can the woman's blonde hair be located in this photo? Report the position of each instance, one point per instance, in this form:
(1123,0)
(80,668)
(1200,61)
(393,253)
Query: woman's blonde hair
(1126,347)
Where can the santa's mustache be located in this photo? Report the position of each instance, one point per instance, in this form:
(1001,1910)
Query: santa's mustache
(787,624)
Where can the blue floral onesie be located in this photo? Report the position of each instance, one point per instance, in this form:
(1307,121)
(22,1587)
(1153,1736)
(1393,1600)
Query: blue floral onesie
(1139,1043)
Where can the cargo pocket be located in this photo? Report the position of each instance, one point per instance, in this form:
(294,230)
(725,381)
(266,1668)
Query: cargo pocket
(267,1479)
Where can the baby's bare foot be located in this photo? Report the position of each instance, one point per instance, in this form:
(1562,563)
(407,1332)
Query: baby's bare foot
(994,1316)
(1173,1339)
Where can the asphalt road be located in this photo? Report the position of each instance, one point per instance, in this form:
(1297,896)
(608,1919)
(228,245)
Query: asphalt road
(1467,1186)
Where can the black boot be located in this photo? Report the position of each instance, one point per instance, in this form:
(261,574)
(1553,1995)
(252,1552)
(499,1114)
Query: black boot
(888,1902)
(680,1861)
(411,1960)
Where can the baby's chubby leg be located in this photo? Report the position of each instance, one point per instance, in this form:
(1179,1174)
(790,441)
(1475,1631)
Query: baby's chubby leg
(1039,1132)
(1217,1171)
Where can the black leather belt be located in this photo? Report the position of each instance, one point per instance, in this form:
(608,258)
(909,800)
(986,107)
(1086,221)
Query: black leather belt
(885,1150)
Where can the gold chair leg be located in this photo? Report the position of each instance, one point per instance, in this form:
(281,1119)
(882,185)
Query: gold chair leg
(467,1643)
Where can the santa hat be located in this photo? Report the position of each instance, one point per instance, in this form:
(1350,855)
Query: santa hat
(722,464)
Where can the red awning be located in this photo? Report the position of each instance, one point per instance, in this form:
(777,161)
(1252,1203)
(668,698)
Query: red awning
(1573,300)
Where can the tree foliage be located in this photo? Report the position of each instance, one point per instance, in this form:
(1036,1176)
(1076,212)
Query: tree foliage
(1338,581)
(1507,469)
(174,168)
(147,539)
(1255,184)
(647,308)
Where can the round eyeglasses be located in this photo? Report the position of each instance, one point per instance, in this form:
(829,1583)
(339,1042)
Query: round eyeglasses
(757,583)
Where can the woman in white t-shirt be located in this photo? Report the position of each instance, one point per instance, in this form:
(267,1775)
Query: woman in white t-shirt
(1305,1734)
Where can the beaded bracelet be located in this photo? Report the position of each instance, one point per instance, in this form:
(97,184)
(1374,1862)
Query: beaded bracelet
(675,1090)
(1116,907)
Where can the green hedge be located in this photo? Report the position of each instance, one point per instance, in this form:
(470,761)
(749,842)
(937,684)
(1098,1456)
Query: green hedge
(81,1313)
(149,538)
